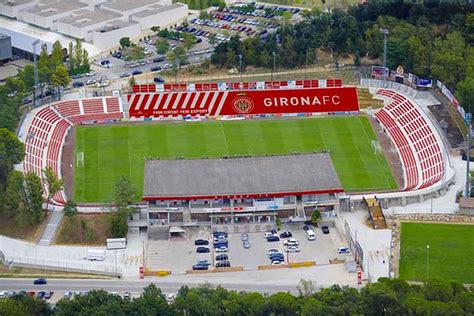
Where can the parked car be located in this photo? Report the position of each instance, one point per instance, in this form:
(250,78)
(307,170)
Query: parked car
(40,281)
(158,59)
(202,250)
(157,68)
(90,73)
(223,264)
(40,294)
(158,80)
(343,250)
(3,294)
(124,75)
(293,249)
(78,76)
(273,238)
(220,233)
(306,227)
(77,84)
(203,262)
(276,255)
(325,229)
(136,72)
(200,267)
(277,262)
(127,296)
(222,249)
(222,257)
(286,235)
(91,82)
(244,237)
(201,242)
(48,295)
(246,244)
(271,251)
(268,234)
(291,242)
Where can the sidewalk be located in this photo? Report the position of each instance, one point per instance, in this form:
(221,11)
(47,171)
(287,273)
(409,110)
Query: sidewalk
(50,231)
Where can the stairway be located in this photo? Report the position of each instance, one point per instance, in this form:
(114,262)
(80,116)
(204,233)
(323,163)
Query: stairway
(376,217)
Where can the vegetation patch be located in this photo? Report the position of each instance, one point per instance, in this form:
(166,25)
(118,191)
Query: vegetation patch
(84,229)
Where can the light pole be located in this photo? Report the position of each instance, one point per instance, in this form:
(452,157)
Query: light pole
(35,70)
(468,152)
(427,262)
(240,64)
(385,33)
(273,71)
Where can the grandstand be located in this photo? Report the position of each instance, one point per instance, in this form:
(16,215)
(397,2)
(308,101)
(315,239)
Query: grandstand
(44,130)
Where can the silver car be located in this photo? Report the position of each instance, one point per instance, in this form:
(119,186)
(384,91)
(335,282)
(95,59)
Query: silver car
(244,237)
(246,244)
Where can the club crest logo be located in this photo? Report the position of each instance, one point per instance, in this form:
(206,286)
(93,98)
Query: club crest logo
(242,105)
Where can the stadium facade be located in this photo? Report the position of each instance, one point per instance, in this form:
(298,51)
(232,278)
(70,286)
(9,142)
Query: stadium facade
(240,190)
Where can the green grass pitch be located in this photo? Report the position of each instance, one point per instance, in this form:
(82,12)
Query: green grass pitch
(450,252)
(111,151)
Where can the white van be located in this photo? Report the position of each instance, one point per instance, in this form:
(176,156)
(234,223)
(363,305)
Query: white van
(310,234)
(95,255)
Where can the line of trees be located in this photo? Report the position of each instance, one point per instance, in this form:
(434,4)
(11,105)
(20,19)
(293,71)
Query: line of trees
(388,297)
(430,41)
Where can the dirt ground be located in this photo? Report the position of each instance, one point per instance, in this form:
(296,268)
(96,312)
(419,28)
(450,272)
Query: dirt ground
(96,223)
(454,135)
(9,227)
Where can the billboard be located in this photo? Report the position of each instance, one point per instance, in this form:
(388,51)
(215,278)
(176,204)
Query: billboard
(243,102)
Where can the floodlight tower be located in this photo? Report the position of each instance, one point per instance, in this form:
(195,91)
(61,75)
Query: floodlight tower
(385,33)
(35,70)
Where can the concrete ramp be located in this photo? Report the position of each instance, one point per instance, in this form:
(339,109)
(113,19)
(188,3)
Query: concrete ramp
(53,224)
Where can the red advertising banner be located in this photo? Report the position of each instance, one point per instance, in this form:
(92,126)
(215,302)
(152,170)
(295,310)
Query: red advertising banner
(244,102)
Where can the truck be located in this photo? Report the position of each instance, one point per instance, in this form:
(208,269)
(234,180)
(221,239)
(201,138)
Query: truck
(95,255)
(116,243)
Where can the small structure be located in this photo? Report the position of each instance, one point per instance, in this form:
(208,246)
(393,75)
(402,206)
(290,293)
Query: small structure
(466,206)
(376,216)
(5,47)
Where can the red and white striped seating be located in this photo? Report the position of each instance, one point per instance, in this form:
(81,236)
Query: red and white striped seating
(417,145)
(49,128)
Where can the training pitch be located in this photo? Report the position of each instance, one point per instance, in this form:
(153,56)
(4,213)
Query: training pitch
(449,255)
(103,153)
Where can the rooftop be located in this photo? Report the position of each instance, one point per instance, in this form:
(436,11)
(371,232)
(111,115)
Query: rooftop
(127,5)
(114,25)
(56,8)
(14,3)
(84,18)
(158,9)
(253,176)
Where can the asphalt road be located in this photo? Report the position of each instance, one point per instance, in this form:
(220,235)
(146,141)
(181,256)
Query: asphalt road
(133,286)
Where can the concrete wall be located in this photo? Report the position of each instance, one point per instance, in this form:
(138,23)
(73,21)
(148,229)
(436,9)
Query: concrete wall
(5,48)
(14,11)
(111,39)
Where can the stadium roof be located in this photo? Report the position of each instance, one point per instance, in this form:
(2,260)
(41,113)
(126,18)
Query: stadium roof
(253,177)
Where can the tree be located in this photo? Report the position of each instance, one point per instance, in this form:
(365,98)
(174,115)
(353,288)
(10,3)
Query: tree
(71,59)
(27,76)
(162,47)
(448,59)
(12,307)
(51,182)
(12,152)
(33,199)
(151,302)
(13,196)
(118,225)
(315,217)
(85,61)
(125,42)
(189,41)
(312,307)
(281,304)
(124,192)
(70,208)
(465,93)
(306,288)
(78,57)
(57,54)
(132,82)
(60,78)
(155,28)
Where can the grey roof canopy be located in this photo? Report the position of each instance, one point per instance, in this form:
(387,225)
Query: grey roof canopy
(252,176)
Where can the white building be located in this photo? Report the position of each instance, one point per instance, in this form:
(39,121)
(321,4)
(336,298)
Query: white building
(110,34)
(128,8)
(46,16)
(162,16)
(12,8)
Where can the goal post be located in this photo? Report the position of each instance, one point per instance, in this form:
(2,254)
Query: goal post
(376,147)
(80,159)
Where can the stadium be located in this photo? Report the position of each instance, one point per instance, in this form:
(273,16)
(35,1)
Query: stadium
(242,153)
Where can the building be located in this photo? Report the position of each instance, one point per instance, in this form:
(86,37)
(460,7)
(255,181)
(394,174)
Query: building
(5,47)
(240,190)
(98,22)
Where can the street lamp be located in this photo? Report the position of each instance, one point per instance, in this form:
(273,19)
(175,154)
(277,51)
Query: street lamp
(35,70)
(427,262)
(468,153)
(385,33)
(240,63)
(273,53)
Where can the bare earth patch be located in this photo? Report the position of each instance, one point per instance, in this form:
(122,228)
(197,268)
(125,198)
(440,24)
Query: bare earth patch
(83,229)
(10,228)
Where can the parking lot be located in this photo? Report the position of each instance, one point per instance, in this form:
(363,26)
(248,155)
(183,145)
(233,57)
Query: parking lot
(180,255)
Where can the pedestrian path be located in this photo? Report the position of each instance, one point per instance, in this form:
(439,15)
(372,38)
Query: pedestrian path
(53,224)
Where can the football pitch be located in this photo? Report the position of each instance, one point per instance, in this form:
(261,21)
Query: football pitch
(449,255)
(103,153)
